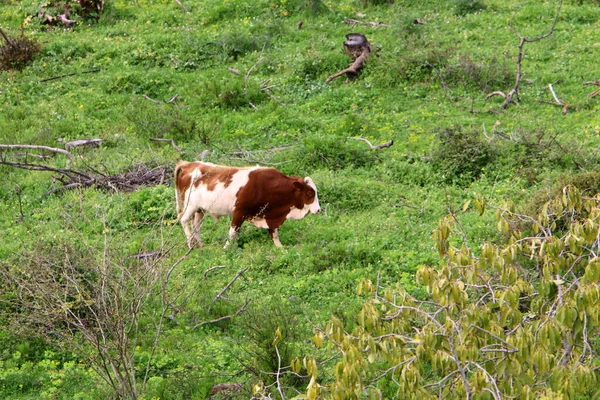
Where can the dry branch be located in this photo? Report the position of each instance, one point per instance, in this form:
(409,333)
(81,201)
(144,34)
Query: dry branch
(514,92)
(35,147)
(371,146)
(358,48)
(558,102)
(595,92)
(83,142)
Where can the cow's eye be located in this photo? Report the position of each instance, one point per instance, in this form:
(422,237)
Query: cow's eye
(310,192)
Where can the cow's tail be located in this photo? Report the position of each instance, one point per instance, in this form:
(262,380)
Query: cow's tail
(178,200)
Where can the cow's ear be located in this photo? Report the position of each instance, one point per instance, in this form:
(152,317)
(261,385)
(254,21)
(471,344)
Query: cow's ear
(298,185)
(307,180)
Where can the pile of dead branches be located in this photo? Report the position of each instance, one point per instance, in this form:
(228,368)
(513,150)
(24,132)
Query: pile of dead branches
(134,177)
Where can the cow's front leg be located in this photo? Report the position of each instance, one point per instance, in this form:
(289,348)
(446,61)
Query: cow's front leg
(275,237)
(236,223)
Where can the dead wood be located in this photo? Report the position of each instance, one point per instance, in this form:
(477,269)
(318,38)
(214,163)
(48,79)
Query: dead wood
(358,48)
(83,142)
(138,175)
(595,92)
(357,22)
(35,147)
(372,147)
(514,92)
(557,101)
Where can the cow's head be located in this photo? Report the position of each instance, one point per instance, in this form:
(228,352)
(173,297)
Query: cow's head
(310,196)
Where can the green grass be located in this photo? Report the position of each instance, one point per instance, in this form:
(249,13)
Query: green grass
(379,207)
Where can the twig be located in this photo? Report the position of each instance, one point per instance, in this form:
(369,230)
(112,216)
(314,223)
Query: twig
(234,71)
(212,268)
(250,71)
(357,22)
(222,292)
(372,147)
(168,141)
(28,146)
(212,321)
(152,100)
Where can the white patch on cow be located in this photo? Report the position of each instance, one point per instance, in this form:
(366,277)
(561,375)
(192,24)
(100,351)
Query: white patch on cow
(220,200)
(313,207)
(297,213)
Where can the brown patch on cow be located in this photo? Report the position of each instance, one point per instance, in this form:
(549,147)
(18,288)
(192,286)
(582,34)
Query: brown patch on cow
(212,175)
(270,194)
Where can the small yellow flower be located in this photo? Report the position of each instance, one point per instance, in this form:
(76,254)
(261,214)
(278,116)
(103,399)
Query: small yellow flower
(80,106)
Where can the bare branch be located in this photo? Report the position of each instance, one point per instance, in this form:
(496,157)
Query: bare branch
(28,146)
(372,147)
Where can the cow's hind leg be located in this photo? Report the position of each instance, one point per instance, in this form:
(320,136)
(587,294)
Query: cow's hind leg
(198,218)
(275,236)
(186,221)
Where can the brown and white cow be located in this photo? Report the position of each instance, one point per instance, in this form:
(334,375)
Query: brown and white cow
(263,196)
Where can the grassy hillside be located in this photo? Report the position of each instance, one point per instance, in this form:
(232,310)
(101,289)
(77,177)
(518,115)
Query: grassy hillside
(425,87)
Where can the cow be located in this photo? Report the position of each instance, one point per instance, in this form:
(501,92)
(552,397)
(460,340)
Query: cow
(261,195)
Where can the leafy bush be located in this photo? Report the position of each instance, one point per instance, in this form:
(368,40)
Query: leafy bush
(460,156)
(260,324)
(588,183)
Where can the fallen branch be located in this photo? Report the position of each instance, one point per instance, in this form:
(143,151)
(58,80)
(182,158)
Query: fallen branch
(595,92)
(29,146)
(357,22)
(168,141)
(565,107)
(358,48)
(380,146)
(83,142)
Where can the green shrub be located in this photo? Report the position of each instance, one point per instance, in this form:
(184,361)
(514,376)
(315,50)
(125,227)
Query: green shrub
(460,156)
(169,121)
(464,7)
(336,153)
